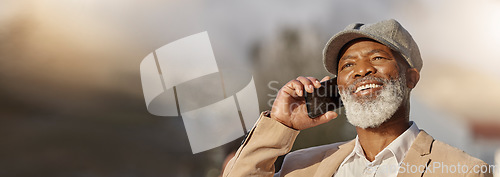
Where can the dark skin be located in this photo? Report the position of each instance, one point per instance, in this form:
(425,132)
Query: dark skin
(361,58)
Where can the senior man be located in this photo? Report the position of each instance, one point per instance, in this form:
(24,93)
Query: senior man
(377,65)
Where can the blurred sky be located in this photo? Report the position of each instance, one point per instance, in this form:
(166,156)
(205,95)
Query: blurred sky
(458,39)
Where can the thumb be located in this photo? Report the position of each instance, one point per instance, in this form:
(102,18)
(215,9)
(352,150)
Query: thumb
(328,116)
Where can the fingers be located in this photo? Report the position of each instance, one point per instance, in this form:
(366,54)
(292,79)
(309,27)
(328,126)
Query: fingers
(295,87)
(325,78)
(315,82)
(308,83)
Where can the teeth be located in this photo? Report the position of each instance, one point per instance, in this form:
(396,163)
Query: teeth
(367,86)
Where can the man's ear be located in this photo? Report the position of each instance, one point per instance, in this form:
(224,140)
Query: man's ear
(412,77)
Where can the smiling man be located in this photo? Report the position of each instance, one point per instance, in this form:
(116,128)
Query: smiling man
(377,65)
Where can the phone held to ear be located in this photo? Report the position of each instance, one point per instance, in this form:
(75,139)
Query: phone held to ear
(323,99)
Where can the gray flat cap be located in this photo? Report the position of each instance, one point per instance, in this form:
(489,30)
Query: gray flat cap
(388,32)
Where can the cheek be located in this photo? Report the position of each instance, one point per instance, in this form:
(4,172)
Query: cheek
(342,82)
(391,71)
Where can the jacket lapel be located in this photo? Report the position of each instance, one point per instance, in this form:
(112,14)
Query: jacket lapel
(333,158)
(417,157)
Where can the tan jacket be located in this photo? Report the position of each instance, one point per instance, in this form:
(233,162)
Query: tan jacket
(270,139)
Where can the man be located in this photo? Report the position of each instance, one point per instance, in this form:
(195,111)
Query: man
(377,66)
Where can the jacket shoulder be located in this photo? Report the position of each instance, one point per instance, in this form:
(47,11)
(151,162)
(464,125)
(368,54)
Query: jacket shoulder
(444,156)
(446,153)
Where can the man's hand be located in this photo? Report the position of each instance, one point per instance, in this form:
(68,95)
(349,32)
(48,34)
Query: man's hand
(290,109)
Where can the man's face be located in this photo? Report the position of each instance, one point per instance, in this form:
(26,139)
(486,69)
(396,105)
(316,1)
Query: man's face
(370,83)
(366,58)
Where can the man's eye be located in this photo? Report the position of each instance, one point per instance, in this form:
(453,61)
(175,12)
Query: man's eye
(347,65)
(378,58)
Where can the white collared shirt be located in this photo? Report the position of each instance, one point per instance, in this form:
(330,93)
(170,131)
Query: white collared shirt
(386,162)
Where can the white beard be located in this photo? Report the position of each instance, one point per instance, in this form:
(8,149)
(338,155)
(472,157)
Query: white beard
(372,112)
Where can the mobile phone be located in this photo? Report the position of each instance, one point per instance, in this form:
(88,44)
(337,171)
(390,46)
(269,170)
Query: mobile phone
(323,99)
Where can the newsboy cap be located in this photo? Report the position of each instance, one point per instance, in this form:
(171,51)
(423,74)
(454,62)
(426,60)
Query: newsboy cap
(388,32)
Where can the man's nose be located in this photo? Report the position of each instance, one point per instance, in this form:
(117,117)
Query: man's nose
(363,69)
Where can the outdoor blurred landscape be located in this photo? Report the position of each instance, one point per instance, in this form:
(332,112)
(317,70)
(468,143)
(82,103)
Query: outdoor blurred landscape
(72,102)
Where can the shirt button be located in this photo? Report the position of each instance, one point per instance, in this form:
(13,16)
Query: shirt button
(370,170)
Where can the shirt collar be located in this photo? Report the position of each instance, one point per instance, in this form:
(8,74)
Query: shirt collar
(402,143)
(398,147)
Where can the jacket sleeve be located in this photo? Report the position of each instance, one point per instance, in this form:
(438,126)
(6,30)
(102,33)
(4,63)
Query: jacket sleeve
(267,140)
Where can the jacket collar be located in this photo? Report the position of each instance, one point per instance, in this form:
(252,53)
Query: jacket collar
(423,143)
(333,158)
(418,154)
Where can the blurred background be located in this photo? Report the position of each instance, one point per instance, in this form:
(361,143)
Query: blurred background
(72,103)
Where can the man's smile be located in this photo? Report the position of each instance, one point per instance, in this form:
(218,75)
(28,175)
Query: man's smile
(368,87)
